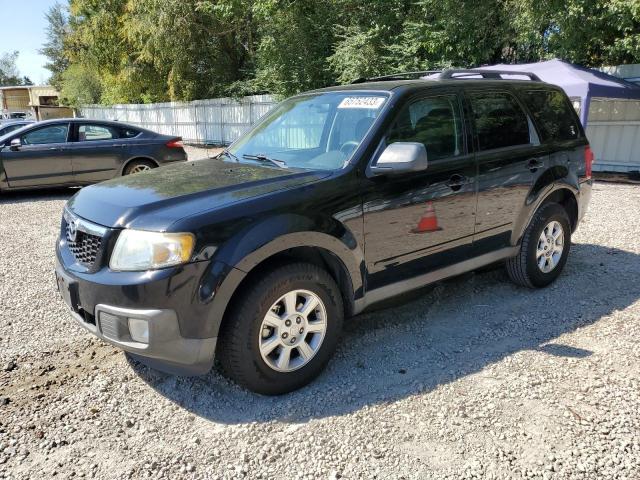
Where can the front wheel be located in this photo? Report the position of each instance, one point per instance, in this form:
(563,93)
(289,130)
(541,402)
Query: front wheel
(545,248)
(283,331)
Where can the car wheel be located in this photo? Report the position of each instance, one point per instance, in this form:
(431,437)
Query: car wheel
(137,166)
(545,248)
(283,330)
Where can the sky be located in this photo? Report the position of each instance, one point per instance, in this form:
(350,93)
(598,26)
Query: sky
(25,32)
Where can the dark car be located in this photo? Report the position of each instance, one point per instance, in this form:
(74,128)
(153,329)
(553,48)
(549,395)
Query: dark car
(11,125)
(79,152)
(337,200)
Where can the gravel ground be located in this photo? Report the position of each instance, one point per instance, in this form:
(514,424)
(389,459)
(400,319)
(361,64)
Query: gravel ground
(473,378)
(198,152)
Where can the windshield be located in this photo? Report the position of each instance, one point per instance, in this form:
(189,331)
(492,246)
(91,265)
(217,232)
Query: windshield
(6,135)
(316,131)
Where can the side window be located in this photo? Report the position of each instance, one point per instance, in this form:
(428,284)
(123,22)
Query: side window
(553,114)
(128,133)
(499,120)
(434,122)
(89,133)
(50,134)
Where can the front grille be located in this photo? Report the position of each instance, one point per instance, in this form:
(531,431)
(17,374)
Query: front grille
(85,241)
(85,248)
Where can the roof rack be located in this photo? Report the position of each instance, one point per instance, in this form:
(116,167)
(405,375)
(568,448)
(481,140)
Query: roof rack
(397,76)
(491,74)
(449,74)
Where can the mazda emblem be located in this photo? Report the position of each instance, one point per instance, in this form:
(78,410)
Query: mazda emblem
(72,230)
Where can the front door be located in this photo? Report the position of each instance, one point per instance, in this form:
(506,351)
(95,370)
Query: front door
(418,222)
(98,152)
(510,160)
(42,158)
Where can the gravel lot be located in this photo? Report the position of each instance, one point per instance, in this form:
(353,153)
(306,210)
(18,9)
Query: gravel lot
(473,378)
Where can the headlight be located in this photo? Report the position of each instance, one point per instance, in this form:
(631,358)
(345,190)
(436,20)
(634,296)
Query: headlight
(137,250)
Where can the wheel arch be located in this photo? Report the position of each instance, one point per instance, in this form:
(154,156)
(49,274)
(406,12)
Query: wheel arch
(563,193)
(320,249)
(316,255)
(145,158)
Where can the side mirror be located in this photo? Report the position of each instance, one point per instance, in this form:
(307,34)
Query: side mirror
(401,157)
(15,144)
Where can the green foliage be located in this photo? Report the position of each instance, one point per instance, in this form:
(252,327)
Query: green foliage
(161,50)
(80,86)
(54,47)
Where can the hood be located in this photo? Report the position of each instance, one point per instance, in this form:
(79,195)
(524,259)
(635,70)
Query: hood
(155,199)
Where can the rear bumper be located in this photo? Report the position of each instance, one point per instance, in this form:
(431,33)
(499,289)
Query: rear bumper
(584,198)
(165,347)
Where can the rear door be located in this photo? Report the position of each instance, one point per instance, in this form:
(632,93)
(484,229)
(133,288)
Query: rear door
(98,152)
(510,159)
(418,222)
(43,158)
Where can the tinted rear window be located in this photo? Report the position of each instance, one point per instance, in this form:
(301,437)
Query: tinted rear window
(499,120)
(129,132)
(553,114)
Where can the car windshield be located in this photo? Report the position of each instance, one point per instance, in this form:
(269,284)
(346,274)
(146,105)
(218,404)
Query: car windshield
(4,136)
(315,131)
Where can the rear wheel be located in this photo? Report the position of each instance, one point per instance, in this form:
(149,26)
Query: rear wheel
(137,166)
(283,331)
(545,248)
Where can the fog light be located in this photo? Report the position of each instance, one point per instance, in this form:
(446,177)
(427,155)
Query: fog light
(139,330)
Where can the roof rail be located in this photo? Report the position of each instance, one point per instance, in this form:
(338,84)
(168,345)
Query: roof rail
(397,76)
(491,74)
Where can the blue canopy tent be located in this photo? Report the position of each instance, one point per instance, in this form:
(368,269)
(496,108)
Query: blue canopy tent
(613,124)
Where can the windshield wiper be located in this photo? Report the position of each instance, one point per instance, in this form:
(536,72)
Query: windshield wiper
(228,154)
(263,158)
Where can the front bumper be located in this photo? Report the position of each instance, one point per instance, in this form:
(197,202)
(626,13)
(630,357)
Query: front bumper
(166,348)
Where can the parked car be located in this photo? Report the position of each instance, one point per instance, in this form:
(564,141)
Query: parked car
(339,199)
(11,125)
(16,115)
(67,152)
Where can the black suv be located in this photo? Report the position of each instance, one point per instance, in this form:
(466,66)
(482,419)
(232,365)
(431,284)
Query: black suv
(336,200)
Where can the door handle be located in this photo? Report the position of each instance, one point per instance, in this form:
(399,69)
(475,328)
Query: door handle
(456,181)
(534,164)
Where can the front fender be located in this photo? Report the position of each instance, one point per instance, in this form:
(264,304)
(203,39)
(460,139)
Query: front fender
(239,255)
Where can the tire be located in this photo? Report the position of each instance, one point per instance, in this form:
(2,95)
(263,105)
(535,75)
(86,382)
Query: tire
(136,166)
(525,269)
(247,335)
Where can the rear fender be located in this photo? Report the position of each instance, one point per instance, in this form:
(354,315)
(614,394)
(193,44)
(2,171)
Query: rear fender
(538,195)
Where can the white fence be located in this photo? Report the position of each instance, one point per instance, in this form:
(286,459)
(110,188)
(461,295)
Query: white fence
(211,122)
(613,129)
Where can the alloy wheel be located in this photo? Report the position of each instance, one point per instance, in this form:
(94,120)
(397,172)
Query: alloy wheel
(292,331)
(550,246)
(140,168)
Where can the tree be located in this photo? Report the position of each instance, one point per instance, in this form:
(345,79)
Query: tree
(54,48)
(591,33)
(9,74)
(80,86)
(162,50)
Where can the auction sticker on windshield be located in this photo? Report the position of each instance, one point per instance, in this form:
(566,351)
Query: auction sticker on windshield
(372,103)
